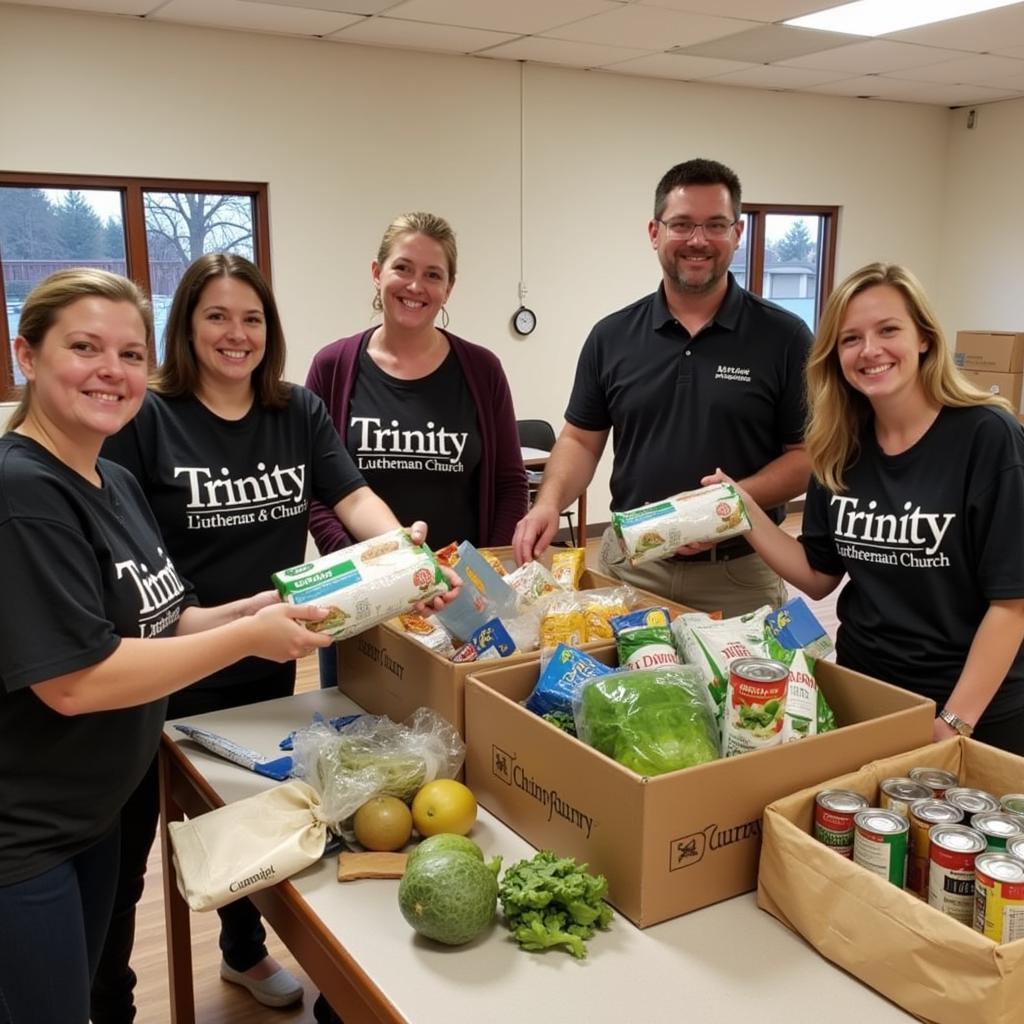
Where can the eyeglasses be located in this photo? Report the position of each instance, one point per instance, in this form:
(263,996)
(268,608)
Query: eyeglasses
(716,229)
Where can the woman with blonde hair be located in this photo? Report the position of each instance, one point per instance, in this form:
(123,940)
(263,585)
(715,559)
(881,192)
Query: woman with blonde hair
(98,629)
(916,495)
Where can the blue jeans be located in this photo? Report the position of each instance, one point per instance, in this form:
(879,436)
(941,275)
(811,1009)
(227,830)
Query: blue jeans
(51,933)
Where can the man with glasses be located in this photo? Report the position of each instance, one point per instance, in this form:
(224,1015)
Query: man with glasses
(701,374)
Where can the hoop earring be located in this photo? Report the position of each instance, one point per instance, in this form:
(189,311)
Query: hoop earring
(378,306)
(444,317)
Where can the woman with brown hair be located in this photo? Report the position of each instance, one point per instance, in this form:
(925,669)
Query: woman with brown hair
(98,629)
(230,457)
(916,496)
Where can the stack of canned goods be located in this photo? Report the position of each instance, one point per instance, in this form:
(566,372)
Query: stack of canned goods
(959,848)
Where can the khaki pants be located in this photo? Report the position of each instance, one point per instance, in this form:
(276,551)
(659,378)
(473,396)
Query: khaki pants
(734,587)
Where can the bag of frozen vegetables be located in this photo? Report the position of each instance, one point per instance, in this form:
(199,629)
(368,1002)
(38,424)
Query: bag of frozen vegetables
(652,720)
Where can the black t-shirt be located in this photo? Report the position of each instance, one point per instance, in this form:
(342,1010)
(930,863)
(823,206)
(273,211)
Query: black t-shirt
(83,566)
(680,406)
(418,444)
(232,496)
(929,537)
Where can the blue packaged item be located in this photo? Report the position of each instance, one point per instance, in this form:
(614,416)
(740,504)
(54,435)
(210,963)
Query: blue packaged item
(642,618)
(339,723)
(484,596)
(278,769)
(565,673)
(796,628)
(493,636)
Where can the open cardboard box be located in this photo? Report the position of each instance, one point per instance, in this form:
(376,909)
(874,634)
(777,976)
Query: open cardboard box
(676,842)
(928,963)
(388,673)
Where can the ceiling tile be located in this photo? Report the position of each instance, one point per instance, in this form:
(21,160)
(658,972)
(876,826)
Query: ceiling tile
(560,51)
(751,10)
(872,58)
(129,7)
(774,76)
(260,17)
(650,28)
(992,30)
(344,6)
(769,43)
(418,35)
(881,87)
(523,17)
(978,68)
(676,66)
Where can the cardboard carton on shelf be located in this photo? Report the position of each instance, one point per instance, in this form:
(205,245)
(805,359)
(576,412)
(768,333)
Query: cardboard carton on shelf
(930,964)
(676,842)
(992,351)
(388,673)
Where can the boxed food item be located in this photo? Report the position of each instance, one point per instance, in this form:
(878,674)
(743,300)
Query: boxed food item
(365,583)
(388,673)
(1006,384)
(679,841)
(927,962)
(998,351)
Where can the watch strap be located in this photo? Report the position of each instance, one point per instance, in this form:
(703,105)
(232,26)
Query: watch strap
(954,721)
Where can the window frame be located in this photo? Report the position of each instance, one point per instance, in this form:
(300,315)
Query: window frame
(755,232)
(134,223)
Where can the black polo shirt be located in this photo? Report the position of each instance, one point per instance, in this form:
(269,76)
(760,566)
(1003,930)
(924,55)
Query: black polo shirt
(679,405)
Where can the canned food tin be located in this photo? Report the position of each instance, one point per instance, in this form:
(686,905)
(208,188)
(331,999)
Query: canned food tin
(898,794)
(937,780)
(971,801)
(924,814)
(953,849)
(1015,847)
(880,843)
(833,818)
(997,827)
(999,897)
(1013,803)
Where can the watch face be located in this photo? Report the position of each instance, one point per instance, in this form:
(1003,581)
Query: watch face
(524,320)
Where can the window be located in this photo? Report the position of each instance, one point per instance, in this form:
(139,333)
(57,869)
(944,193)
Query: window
(787,254)
(149,230)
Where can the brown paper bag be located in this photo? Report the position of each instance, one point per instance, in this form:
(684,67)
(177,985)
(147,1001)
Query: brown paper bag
(931,965)
(246,846)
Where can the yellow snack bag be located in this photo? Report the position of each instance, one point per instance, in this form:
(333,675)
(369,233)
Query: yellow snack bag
(563,622)
(494,561)
(567,567)
(600,606)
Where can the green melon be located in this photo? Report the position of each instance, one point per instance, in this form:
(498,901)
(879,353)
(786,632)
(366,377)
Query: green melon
(448,896)
(445,841)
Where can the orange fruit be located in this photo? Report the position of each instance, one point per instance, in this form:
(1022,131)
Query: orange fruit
(444,805)
(383,823)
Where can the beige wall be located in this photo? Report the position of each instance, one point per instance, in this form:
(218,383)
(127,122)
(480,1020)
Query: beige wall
(348,136)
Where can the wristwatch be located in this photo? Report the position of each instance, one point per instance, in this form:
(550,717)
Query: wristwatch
(954,721)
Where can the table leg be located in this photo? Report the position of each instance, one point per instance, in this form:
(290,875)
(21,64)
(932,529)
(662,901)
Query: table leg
(176,912)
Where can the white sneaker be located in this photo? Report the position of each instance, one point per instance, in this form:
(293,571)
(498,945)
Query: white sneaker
(282,988)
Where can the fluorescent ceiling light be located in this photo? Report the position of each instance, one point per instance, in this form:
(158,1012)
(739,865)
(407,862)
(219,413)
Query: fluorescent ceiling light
(879,17)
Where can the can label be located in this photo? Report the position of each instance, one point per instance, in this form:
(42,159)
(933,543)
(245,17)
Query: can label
(953,850)
(755,705)
(999,897)
(834,810)
(923,815)
(880,844)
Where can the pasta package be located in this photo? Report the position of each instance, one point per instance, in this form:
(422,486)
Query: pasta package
(365,584)
(567,567)
(654,531)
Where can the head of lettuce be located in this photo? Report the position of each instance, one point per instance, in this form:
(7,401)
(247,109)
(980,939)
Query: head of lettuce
(651,720)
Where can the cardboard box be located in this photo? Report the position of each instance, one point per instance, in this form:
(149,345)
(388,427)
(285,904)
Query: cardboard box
(1006,384)
(928,963)
(676,842)
(999,351)
(387,673)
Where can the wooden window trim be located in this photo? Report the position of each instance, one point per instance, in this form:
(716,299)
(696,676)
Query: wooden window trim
(134,221)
